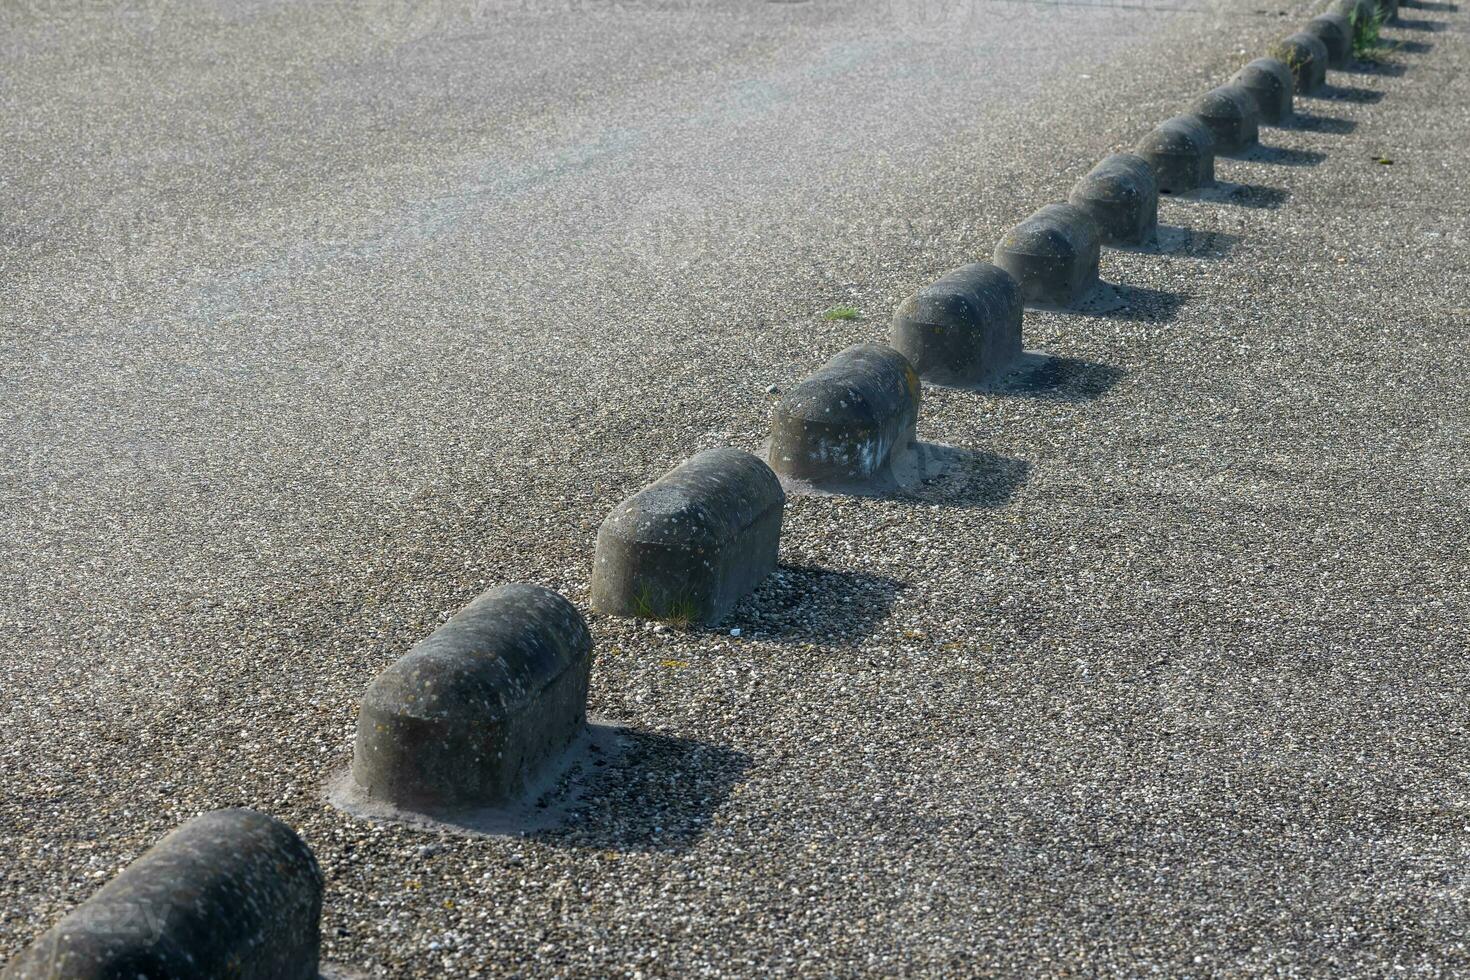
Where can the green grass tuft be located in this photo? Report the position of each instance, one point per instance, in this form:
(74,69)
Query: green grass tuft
(679,611)
(841,312)
(1367,36)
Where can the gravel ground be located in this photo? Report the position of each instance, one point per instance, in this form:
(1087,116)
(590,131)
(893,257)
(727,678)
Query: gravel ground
(322,319)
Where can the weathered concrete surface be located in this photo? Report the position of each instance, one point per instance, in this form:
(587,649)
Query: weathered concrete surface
(1230,114)
(1269,82)
(316,333)
(1335,32)
(962,329)
(475,712)
(1306,56)
(1122,197)
(690,545)
(1053,255)
(847,422)
(232,893)
(1181,152)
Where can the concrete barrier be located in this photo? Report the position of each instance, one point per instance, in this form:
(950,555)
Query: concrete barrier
(1181,153)
(476,711)
(1052,255)
(1269,82)
(1336,35)
(690,545)
(1230,114)
(964,329)
(231,893)
(1121,195)
(1306,56)
(848,422)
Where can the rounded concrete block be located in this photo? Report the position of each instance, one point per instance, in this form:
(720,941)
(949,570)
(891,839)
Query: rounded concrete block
(849,421)
(1121,195)
(690,545)
(1336,35)
(1269,82)
(473,713)
(231,893)
(1230,114)
(1306,56)
(1181,152)
(963,329)
(1053,255)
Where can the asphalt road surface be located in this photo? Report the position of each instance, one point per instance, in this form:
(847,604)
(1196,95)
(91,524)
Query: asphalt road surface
(320,319)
